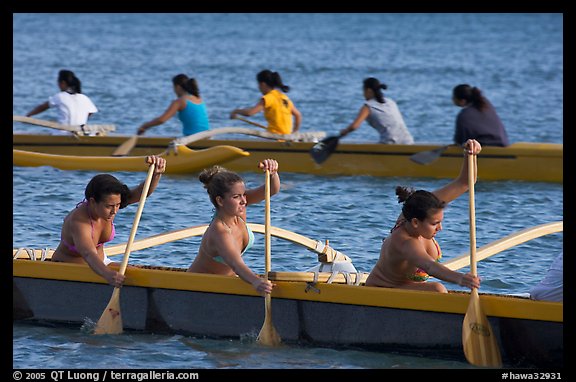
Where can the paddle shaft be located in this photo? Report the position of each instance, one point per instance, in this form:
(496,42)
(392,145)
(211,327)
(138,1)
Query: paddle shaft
(267,225)
(480,345)
(471,178)
(110,321)
(251,122)
(137,218)
(126,147)
(472,212)
(268,335)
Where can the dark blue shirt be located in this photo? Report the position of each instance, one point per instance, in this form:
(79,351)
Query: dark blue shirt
(485,126)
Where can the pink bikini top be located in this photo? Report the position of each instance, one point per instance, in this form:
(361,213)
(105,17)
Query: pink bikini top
(72,247)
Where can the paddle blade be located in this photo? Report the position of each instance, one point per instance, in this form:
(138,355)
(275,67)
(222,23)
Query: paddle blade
(126,147)
(268,335)
(427,157)
(323,149)
(111,320)
(480,344)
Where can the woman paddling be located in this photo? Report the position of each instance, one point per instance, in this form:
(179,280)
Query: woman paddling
(189,106)
(410,254)
(382,114)
(228,236)
(277,107)
(477,119)
(91,224)
(73,107)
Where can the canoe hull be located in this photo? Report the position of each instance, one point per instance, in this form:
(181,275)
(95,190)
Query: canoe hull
(520,161)
(332,315)
(169,311)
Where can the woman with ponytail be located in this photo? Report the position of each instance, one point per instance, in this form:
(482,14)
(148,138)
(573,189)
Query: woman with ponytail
(410,254)
(228,236)
(382,114)
(73,107)
(477,119)
(277,107)
(189,105)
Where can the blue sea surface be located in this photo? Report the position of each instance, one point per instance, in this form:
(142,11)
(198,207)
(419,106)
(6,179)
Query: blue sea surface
(126,62)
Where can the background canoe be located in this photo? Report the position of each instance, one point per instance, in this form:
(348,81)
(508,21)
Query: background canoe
(529,161)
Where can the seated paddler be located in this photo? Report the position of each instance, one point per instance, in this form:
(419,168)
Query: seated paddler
(91,224)
(410,254)
(228,236)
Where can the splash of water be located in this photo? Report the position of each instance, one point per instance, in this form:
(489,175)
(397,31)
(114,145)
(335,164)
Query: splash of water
(88,326)
(250,337)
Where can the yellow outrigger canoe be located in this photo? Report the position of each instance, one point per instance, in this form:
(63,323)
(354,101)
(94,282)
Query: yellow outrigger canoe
(527,161)
(309,307)
(180,160)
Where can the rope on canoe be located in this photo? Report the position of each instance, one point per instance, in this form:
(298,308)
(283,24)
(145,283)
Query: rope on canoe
(343,267)
(30,252)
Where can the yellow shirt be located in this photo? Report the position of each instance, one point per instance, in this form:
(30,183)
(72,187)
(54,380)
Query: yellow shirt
(278,112)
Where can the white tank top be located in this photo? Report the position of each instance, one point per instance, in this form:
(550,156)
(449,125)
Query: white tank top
(73,109)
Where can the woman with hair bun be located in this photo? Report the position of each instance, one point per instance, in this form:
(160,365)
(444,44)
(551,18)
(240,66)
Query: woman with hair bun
(91,224)
(189,105)
(410,254)
(382,114)
(277,107)
(73,107)
(228,236)
(478,119)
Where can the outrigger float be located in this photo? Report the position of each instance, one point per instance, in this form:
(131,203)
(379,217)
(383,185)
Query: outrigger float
(180,160)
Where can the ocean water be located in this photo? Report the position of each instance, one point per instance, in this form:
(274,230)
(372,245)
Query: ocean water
(126,62)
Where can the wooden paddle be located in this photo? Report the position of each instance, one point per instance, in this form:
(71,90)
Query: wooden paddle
(323,149)
(427,157)
(251,122)
(268,335)
(126,147)
(478,340)
(110,321)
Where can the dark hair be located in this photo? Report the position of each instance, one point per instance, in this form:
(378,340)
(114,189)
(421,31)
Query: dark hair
(272,79)
(471,94)
(417,203)
(73,83)
(188,84)
(218,181)
(105,184)
(375,85)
